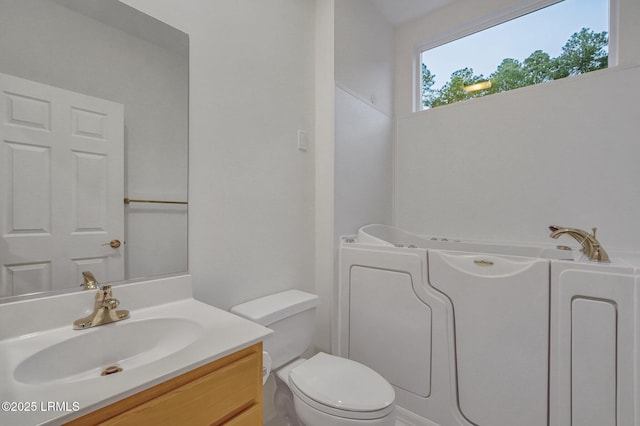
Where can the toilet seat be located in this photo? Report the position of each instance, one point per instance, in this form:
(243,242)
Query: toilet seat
(342,387)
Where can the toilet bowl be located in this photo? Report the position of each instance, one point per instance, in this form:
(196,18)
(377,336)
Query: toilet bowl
(326,390)
(349,393)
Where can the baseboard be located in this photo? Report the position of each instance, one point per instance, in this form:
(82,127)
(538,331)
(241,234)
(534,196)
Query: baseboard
(407,418)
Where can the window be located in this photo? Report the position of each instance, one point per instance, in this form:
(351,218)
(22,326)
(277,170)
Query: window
(565,39)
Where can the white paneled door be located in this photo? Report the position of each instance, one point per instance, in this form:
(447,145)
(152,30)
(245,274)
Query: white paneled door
(61,187)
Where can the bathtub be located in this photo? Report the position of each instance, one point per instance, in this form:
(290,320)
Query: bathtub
(392,236)
(474,333)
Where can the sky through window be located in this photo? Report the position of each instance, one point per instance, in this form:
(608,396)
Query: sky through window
(547,29)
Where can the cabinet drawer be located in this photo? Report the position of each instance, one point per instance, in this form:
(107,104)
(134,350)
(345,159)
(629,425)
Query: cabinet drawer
(211,394)
(250,417)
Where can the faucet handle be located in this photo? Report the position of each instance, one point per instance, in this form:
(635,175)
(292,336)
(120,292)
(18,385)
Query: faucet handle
(593,232)
(599,255)
(110,303)
(102,294)
(106,292)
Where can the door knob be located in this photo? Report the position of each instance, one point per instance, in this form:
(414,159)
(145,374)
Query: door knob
(113,243)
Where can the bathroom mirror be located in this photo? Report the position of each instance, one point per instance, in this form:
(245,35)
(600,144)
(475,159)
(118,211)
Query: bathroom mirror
(61,62)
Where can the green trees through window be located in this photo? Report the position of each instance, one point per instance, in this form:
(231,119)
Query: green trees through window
(585,51)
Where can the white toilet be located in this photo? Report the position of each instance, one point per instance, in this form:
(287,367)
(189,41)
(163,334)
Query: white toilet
(327,390)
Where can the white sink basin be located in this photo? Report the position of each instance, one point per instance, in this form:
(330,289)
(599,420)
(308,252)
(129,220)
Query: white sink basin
(126,344)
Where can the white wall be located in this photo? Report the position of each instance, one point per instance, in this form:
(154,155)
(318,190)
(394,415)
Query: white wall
(45,42)
(363,128)
(364,53)
(363,164)
(325,154)
(251,191)
(505,167)
(363,123)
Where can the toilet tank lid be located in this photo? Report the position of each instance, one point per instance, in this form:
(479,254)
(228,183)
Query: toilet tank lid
(269,309)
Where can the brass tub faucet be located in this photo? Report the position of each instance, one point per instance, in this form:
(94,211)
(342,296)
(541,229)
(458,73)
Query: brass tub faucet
(590,245)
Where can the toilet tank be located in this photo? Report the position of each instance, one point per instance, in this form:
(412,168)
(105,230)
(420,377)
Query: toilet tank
(291,316)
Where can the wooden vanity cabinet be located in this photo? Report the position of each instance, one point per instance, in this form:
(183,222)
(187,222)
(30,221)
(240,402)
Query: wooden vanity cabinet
(225,392)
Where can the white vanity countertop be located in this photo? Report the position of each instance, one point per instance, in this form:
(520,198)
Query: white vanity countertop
(58,401)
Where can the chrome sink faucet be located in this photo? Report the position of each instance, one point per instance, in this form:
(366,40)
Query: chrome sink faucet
(590,245)
(104,310)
